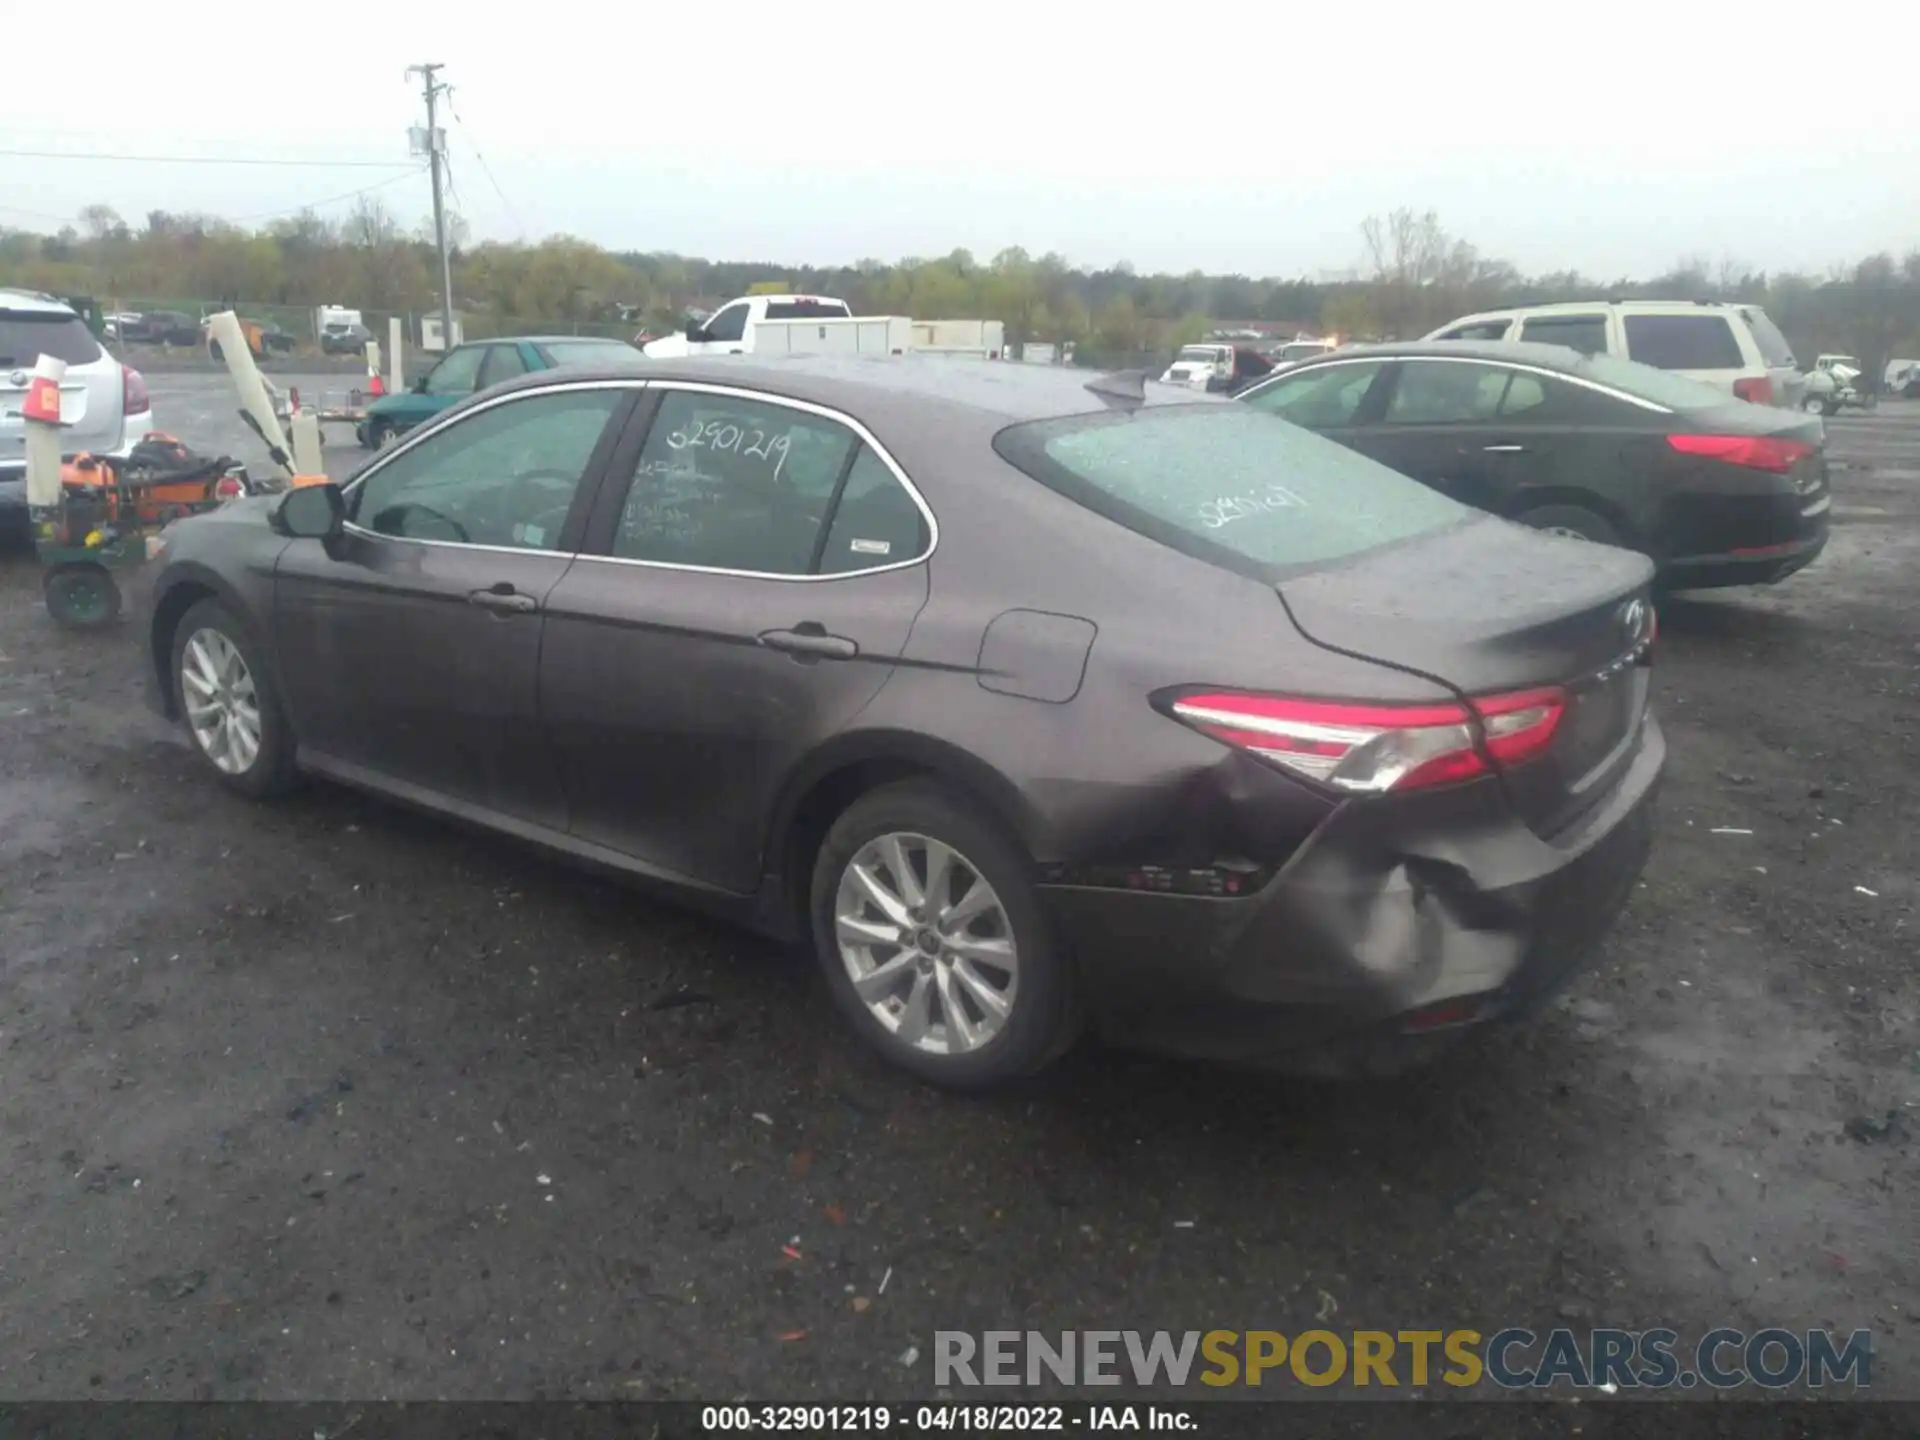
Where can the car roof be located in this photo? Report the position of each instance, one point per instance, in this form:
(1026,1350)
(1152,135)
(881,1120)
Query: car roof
(1522,352)
(551,340)
(1587,307)
(1005,389)
(35,301)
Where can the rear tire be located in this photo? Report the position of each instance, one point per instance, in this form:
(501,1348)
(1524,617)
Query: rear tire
(1575,521)
(979,995)
(230,704)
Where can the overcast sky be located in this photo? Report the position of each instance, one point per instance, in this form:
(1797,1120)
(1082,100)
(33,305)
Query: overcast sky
(1225,137)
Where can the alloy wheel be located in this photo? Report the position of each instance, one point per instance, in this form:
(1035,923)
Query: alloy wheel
(222,704)
(927,943)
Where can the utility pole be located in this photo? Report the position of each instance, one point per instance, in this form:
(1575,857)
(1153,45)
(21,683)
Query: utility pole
(433,90)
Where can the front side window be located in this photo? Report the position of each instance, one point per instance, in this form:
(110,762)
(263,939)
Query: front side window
(1440,392)
(457,374)
(729,324)
(1228,483)
(1323,398)
(1683,342)
(1585,333)
(505,475)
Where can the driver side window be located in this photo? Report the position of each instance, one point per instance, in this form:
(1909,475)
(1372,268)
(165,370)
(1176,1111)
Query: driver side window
(505,475)
(729,324)
(458,373)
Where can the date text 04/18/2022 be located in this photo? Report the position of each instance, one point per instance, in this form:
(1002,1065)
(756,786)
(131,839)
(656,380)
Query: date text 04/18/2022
(943,1418)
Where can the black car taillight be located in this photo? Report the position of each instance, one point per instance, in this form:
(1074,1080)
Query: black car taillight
(1756,452)
(1371,749)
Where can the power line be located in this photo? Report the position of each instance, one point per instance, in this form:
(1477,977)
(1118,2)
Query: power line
(487,169)
(200,159)
(411,173)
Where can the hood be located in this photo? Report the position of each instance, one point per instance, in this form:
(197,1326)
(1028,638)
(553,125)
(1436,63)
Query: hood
(667,347)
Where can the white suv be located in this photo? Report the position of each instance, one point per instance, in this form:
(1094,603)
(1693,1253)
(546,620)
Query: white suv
(103,404)
(1734,347)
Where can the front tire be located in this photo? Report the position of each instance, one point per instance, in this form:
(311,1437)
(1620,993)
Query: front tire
(931,935)
(229,703)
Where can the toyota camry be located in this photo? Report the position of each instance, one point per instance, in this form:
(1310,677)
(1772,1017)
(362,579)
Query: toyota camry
(1030,701)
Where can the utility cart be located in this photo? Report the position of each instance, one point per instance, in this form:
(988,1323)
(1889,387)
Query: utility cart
(109,508)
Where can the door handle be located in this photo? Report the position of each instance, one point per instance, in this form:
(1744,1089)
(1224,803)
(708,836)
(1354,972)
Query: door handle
(504,599)
(1504,449)
(810,642)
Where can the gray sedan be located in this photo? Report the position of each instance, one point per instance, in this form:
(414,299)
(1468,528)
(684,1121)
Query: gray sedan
(1031,702)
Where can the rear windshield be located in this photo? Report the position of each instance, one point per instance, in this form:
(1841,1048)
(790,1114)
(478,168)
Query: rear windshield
(26,335)
(588,352)
(1227,483)
(1773,345)
(1683,342)
(1676,392)
(807,310)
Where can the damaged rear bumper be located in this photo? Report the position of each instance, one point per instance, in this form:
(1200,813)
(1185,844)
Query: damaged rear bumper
(1393,932)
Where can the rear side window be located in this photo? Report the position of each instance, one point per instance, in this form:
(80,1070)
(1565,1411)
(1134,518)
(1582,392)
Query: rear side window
(805,310)
(1442,392)
(1585,333)
(26,335)
(1773,345)
(1227,483)
(1683,342)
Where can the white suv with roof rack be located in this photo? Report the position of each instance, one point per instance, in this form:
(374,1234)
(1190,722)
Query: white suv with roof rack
(1729,345)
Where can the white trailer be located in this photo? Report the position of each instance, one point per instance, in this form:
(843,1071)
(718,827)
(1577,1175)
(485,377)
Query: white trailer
(880,335)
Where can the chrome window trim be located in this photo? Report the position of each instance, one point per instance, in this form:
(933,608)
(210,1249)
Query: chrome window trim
(825,412)
(1520,365)
(420,433)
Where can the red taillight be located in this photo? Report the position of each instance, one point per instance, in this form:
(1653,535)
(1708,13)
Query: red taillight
(133,392)
(1756,388)
(1757,452)
(228,488)
(1370,749)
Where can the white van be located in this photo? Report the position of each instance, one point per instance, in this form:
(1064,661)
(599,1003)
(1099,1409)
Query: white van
(1734,347)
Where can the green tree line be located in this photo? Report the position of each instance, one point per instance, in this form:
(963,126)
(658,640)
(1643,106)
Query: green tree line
(1411,275)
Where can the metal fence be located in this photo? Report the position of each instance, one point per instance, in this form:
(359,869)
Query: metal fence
(295,329)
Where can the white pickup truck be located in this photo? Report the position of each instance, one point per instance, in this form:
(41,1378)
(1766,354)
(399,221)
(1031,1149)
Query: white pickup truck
(819,325)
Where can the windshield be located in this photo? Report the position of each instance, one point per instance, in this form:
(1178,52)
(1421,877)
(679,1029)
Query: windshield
(1227,483)
(1663,387)
(1203,354)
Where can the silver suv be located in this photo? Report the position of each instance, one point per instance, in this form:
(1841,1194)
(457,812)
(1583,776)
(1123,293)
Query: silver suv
(1733,347)
(103,402)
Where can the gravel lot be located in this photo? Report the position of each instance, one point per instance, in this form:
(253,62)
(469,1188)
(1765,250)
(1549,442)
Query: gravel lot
(324,1099)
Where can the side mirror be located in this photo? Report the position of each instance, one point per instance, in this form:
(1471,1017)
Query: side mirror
(310,512)
(419,387)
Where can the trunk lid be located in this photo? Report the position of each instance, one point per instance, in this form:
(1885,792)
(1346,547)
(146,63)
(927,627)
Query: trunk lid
(1490,607)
